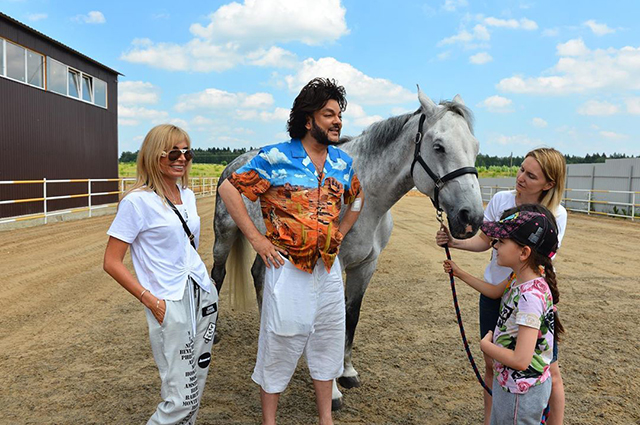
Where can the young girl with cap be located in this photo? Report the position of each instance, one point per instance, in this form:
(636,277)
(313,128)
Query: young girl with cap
(540,180)
(521,345)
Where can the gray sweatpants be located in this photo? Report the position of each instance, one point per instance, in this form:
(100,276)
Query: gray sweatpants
(519,409)
(182,350)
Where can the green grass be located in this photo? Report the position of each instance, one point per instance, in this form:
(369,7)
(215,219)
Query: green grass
(498,171)
(128,169)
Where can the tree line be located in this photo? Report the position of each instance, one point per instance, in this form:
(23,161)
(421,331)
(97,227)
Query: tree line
(483,160)
(202,156)
(225,155)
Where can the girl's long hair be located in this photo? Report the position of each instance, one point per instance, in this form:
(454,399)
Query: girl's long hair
(554,167)
(161,138)
(537,261)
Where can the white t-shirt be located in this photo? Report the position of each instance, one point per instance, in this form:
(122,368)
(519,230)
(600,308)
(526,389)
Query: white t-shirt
(162,255)
(501,202)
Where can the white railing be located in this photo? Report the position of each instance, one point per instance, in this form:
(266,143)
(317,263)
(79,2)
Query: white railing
(201,186)
(588,202)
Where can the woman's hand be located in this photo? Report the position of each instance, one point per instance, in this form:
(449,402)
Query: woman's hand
(443,237)
(157,306)
(269,252)
(451,267)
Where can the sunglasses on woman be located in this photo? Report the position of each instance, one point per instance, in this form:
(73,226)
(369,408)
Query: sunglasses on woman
(174,154)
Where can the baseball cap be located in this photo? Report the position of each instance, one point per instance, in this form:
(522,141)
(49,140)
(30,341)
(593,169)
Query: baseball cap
(528,228)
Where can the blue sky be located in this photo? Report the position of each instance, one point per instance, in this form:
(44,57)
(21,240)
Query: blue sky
(564,74)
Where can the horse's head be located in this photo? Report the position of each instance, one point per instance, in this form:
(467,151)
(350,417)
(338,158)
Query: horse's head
(448,145)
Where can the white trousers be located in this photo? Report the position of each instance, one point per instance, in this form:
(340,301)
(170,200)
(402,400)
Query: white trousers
(182,350)
(302,313)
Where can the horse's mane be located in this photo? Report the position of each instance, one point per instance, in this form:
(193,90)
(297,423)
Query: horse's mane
(456,108)
(386,131)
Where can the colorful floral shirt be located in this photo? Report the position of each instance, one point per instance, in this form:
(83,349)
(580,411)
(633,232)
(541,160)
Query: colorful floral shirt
(301,209)
(528,304)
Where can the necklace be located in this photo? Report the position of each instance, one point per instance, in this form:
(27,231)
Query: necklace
(174,198)
(319,169)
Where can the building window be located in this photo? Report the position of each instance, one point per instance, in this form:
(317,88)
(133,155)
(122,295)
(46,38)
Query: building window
(74,83)
(15,62)
(87,88)
(1,57)
(100,93)
(56,76)
(35,69)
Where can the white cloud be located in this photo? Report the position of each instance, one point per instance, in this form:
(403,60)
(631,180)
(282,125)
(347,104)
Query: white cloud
(360,87)
(598,29)
(575,47)
(219,99)
(480,58)
(581,70)
(179,122)
(514,140)
(138,92)
(199,120)
(523,24)
(497,104)
(93,17)
(613,135)
(277,115)
(246,34)
(274,57)
(356,115)
(539,122)
(593,107)
(34,17)
(133,115)
(633,105)
(479,33)
(550,32)
(265,22)
(452,5)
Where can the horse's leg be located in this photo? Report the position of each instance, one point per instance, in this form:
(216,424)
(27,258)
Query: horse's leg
(357,281)
(226,232)
(258,273)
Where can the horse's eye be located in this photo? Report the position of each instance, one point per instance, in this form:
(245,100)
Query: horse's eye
(438,148)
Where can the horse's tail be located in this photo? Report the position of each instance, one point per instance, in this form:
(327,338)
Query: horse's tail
(241,290)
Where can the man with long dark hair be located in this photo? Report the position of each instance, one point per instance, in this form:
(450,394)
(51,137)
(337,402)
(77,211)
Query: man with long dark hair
(301,185)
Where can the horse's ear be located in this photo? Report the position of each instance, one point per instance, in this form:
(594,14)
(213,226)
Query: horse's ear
(427,104)
(458,99)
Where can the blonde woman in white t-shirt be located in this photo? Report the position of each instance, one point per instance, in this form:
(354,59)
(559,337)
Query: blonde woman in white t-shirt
(171,281)
(540,180)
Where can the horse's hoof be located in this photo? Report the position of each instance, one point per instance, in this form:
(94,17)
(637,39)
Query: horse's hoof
(336,404)
(349,381)
(216,338)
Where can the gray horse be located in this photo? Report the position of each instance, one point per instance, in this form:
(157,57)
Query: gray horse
(383,156)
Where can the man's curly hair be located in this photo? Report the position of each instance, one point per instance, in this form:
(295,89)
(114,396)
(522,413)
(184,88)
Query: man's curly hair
(312,98)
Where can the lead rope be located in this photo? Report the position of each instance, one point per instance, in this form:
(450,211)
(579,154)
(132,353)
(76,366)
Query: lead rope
(459,316)
(545,413)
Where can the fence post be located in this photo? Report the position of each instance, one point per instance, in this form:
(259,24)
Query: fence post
(89,197)
(593,178)
(44,195)
(633,206)
(589,203)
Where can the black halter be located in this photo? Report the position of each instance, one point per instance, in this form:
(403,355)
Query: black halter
(439,181)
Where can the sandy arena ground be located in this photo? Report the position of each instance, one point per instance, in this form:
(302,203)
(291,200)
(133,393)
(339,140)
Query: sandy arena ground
(74,347)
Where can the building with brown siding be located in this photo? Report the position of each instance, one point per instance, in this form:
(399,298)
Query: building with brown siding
(58,120)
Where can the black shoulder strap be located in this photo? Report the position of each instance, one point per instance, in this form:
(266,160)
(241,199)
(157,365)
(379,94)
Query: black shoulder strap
(184,223)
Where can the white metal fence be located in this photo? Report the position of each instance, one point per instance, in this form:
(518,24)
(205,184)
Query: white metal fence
(586,201)
(201,186)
